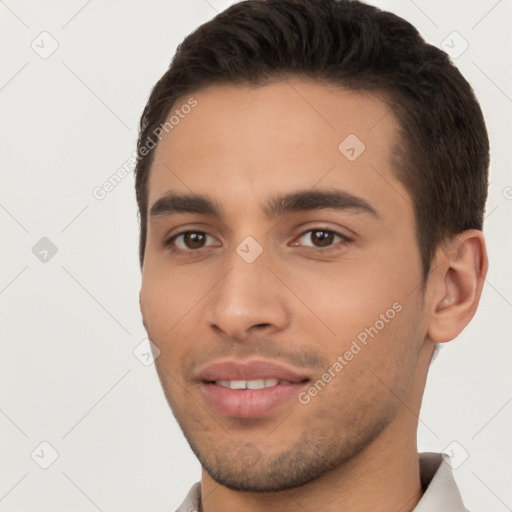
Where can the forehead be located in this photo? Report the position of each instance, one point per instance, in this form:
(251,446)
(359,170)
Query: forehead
(249,141)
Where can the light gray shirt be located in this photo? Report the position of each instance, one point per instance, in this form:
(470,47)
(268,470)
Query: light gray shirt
(441,492)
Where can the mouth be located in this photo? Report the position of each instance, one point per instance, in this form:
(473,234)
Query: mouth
(249,389)
(251,384)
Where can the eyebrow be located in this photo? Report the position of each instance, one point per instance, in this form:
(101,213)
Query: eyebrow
(300,201)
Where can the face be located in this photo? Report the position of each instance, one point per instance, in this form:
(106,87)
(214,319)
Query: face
(282,280)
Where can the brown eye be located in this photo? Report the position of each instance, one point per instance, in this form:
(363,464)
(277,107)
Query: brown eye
(194,240)
(190,241)
(318,238)
(322,238)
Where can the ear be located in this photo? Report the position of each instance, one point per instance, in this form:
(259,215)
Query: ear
(455,284)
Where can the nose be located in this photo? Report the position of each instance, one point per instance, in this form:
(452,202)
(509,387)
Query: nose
(248,299)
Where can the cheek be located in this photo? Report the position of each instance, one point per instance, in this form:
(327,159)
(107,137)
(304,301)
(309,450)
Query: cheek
(375,363)
(166,295)
(156,304)
(344,300)
(171,303)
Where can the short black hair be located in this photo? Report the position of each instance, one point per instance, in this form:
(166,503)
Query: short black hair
(443,157)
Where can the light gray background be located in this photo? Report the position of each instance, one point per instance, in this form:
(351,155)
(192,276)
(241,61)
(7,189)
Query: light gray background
(69,326)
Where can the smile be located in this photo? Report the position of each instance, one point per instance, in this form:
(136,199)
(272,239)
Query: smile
(251,384)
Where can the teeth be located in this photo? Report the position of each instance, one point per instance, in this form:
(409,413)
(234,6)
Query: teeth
(256,384)
(237,384)
(250,384)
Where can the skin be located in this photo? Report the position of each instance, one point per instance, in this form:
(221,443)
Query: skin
(353,445)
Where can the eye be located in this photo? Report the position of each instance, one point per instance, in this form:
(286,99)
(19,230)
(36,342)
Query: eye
(320,238)
(189,241)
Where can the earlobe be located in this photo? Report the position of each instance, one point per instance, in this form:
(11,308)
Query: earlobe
(456,284)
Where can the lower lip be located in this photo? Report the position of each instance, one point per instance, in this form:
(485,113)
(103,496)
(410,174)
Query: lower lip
(249,403)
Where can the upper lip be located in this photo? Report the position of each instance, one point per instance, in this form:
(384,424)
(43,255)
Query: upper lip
(248,370)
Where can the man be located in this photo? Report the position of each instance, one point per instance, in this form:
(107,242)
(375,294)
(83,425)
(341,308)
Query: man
(311,184)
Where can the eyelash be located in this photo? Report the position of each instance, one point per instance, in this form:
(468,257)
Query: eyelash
(317,250)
